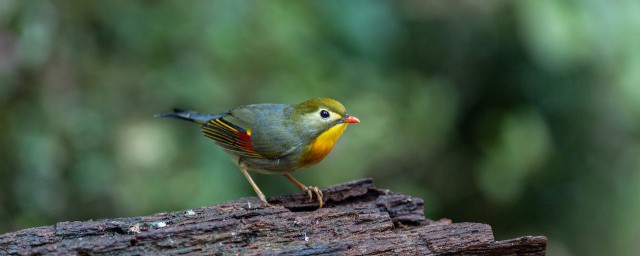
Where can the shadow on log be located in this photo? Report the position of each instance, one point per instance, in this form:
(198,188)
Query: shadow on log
(358,219)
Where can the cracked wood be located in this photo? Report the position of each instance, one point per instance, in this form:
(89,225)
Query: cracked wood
(359,219)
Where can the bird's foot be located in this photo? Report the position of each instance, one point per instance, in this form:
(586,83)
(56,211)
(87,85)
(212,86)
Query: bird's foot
(314,190)
(264,200)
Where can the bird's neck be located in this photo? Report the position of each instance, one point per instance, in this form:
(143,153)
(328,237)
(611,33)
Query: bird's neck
(322,145)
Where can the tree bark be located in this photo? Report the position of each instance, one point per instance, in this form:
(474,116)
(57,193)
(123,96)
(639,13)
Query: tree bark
(358,219)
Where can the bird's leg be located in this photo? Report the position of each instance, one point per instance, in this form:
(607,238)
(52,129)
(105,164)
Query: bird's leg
(300,185)
(310,190)
(244,169)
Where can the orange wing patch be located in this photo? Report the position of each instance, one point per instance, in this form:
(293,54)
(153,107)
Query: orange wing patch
(230,137)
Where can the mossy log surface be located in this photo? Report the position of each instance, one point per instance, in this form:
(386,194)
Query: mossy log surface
(358,219)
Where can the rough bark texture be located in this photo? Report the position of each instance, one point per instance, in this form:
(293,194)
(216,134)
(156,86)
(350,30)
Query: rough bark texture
(358,219)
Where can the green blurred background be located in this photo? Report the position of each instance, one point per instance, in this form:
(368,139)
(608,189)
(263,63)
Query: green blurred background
(520,114)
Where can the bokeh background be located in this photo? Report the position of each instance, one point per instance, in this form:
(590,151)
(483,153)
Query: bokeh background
(520,114)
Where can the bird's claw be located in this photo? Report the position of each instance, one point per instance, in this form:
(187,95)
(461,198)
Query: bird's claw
(309,193)
(314,190)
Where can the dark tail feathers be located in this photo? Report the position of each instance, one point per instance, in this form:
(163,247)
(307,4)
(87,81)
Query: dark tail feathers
(188,115)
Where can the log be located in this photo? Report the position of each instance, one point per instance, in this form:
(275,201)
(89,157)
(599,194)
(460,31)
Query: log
(358,219)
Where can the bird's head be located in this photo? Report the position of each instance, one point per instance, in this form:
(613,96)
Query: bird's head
(322,114)
(320,122)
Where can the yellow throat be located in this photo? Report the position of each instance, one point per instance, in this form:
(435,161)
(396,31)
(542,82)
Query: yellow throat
(322,145)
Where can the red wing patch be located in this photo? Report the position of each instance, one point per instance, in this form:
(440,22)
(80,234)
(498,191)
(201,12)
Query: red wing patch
(230,137)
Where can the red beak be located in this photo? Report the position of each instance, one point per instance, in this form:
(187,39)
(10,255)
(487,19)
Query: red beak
(351,120)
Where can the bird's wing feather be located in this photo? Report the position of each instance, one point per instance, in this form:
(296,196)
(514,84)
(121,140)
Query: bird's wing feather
(256,131)
(272,135)
(230,137)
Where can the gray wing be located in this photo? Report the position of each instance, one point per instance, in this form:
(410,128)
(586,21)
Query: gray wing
(271,133)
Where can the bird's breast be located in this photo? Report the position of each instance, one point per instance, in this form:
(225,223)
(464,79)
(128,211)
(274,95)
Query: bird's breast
(322,145)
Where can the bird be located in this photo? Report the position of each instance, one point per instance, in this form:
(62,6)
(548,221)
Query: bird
(275,138)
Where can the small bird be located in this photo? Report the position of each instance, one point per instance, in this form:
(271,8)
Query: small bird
(275,138)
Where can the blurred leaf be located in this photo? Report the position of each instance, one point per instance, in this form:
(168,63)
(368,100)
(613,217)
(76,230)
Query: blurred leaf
(522,147)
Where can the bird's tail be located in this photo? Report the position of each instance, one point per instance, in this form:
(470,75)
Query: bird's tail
(188,115)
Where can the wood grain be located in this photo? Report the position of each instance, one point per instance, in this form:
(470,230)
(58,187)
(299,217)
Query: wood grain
(358,219)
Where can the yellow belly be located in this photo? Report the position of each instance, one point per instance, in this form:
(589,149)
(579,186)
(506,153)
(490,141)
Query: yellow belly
(322,145)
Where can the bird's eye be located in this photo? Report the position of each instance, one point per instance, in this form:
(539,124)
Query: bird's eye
(324,114)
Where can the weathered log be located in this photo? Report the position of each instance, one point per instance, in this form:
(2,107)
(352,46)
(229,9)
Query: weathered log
(358,219)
